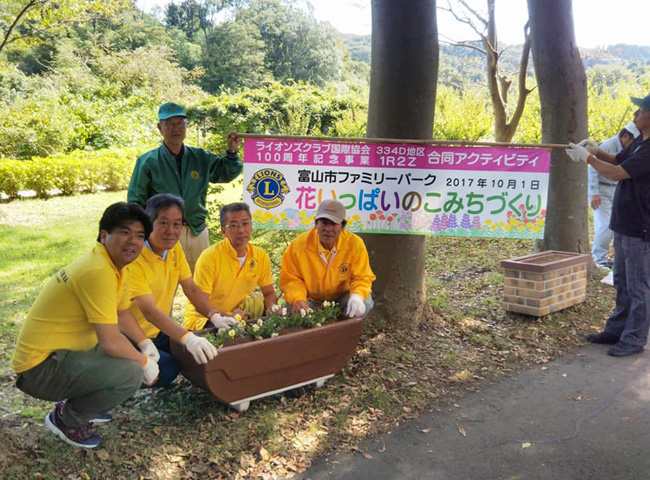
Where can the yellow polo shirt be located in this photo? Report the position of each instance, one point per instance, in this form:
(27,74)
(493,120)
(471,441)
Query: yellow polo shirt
(218,273)
(306,274)
(158,277)
(88,291)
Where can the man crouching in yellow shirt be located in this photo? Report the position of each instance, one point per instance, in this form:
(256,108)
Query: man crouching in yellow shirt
(70,349)
(155,276)
(228,271)
(328,263)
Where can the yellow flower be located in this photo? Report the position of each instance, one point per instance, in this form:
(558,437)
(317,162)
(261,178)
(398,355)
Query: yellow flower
(514,221)
(231,333)
(283,214)
(302,214)
(238,317)
(488,221)
(356,218)
(256,328)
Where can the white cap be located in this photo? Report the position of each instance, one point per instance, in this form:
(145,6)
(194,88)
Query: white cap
(630,127)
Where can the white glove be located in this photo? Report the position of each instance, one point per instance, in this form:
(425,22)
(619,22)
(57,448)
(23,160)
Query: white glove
(577,153)
(202,350)
(356,307)
(151,372)
(149,349)
(590,145)
(222,322)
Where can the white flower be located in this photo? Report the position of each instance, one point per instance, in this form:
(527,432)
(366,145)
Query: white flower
(274,334)
(284,311)
(310,311)
(275,308)
(318,324)
(260,322)
(326,303)
(302,312)
(238,317)
(255,328)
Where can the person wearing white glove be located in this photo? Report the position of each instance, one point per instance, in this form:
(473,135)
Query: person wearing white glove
(627,327)
(149,349)
(154,278)
(600,190)
(231,271)
(355,307)
(150,372)
(200,348)
(328,263)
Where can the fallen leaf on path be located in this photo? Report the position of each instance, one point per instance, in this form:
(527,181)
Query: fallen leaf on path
(576,399)
(462,431)
(525,445)
(367,456)
(425,430)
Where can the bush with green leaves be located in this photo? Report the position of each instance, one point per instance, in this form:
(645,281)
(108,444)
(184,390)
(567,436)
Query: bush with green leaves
(71,174)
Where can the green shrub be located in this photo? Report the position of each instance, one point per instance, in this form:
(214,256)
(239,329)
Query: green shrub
(77,172)
(12,177)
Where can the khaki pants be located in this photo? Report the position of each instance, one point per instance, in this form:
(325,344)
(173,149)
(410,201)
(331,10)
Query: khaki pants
(92,382)
(193,245)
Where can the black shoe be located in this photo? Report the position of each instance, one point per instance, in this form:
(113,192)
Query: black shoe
(624,349)
(603,337)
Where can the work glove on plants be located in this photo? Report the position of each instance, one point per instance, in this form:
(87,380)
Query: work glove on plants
(222,322)
(577,153)
(202,350)
(151,371)
(355,307)
(590,145)
(149,349)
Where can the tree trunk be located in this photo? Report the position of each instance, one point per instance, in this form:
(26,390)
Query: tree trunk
(563,98)
(404,73)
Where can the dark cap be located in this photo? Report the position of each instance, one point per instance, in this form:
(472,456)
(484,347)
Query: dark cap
(644,102)
(332,210)
(169,110)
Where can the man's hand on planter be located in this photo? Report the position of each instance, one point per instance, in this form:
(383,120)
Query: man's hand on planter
(222,322)
(201,349)
(356,307)
(299,305)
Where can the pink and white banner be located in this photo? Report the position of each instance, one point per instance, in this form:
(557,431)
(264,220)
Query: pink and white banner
(399,188)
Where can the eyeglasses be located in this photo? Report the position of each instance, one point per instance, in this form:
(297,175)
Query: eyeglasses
(237,226)
(174,124)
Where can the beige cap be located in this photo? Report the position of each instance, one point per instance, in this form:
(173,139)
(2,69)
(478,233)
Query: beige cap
(332,210)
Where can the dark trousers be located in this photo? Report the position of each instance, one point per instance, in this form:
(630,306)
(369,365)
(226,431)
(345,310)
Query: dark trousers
(631,317)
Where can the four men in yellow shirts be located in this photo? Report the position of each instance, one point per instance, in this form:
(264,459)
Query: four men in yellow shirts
(72,328)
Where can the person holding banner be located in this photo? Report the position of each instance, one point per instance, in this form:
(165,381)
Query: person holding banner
(328,263)
(155,276)
(601,195)
(627,327)
(70,349)
(230,270)
(184,171)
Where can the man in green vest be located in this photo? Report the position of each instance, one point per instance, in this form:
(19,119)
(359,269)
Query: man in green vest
(184,171)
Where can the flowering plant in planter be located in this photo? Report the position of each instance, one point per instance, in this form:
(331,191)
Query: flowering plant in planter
(272,325)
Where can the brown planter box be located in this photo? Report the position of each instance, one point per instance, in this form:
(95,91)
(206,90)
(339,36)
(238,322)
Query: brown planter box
(248,371)
(544,282)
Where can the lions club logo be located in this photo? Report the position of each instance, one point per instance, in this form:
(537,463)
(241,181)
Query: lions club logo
(344,269)
(194,174)
(268,188)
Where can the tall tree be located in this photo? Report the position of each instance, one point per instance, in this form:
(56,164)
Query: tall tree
(562,87)
(29,19)
(499,85)
(404,72)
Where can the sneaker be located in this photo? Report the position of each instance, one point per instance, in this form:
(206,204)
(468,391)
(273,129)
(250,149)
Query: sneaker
(603,337)
(82,437)
(624,349)
(107,417)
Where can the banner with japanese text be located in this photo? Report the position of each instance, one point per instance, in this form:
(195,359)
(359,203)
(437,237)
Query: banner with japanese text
(399,188)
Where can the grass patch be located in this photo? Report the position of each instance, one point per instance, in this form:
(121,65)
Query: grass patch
(184,432)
